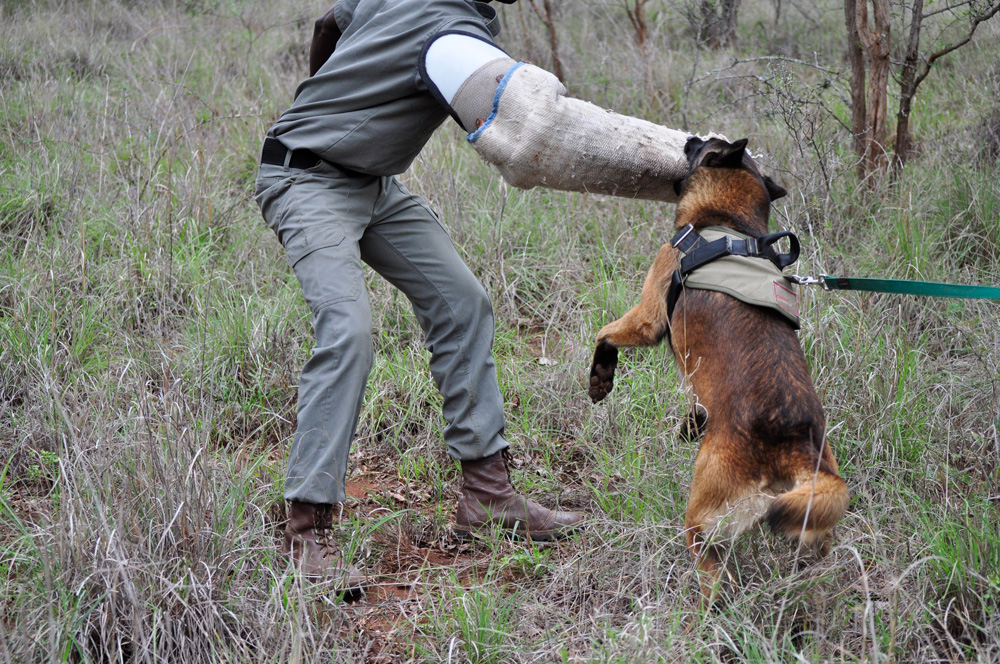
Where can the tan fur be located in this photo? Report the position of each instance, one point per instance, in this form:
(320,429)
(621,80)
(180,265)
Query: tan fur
(764,455)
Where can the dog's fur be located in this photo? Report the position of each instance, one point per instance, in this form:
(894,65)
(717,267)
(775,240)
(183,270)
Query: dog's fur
(764,454)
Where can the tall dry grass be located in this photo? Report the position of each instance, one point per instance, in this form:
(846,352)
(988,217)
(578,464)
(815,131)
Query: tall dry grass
(151,336)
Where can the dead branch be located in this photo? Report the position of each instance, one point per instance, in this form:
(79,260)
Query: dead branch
(547,18)
(974,25)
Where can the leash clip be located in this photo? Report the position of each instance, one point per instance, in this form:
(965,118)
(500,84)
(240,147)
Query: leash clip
(809,281)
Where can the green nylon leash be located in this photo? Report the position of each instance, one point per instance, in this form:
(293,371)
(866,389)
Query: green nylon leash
(925,288)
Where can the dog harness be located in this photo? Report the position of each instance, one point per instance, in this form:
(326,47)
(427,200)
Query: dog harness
(720,259)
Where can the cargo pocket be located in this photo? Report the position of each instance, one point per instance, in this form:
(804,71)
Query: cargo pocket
(328,270)
(306,241)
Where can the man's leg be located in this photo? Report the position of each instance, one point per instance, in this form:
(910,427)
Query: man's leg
(320,219)
(319,216)
(407,245)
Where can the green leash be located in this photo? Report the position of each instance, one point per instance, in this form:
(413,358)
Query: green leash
(926,288)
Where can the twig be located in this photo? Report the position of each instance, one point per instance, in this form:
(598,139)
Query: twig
(944,9)
(960,43)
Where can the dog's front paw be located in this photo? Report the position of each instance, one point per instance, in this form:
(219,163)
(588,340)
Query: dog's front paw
(602,371)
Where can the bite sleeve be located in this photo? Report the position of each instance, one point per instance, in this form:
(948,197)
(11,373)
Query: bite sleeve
(537,136)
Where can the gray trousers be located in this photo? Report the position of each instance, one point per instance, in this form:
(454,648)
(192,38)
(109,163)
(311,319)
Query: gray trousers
(329,221)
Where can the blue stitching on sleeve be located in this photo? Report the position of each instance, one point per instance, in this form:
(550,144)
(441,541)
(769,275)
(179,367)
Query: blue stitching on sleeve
(474,136)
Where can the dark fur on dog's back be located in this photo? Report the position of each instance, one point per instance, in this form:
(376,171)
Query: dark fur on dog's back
(764,453)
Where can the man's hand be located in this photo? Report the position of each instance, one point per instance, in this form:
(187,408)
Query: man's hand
(325,36)
(602,371)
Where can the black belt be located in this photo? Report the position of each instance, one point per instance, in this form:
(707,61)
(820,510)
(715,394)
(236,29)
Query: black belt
(274,153)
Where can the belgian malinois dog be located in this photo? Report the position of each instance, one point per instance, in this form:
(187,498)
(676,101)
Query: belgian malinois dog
(764,455)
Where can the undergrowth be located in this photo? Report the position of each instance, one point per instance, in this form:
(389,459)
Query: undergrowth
(151,336)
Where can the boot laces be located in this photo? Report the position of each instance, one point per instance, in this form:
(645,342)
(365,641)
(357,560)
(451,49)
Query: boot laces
(506,457)
(323,527)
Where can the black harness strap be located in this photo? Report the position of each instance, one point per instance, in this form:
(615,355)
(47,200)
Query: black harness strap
(698,251)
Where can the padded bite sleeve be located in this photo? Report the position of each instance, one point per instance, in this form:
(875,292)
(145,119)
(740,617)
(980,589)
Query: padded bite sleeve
(536,136)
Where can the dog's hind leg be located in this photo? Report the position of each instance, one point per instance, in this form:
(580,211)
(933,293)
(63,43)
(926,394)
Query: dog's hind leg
(814,550)
(727,498)
(708,558)
(723,503)
(692,426)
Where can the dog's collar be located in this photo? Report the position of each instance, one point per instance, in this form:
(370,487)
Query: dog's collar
(750,270)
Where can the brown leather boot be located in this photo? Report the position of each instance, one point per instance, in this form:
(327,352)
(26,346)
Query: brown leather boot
(308,543)
(488,499)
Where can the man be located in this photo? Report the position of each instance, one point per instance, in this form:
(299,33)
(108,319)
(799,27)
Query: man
(384,75)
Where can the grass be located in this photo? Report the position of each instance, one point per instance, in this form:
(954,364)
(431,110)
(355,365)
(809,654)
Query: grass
(151,336)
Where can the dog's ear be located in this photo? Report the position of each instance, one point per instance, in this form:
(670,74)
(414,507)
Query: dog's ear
(774,190)
(693,143)
(729,155)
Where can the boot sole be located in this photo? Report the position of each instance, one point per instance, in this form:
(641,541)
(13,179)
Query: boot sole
(323,580)
(518,535)
(349,594)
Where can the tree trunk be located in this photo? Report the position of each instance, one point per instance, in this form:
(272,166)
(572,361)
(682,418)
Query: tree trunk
(875,43)
(908,87)
(729,10)
(718,19)
(550,23)
(856,59)
(868,48)
(637,15)
(546,14)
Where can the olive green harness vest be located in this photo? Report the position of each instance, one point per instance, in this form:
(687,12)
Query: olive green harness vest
(753,280)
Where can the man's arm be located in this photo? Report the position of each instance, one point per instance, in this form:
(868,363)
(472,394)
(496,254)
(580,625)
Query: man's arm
(325,36)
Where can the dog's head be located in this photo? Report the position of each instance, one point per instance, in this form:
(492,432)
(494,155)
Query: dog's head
(724,174)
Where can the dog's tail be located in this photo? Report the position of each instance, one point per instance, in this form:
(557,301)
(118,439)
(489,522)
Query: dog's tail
(811,508)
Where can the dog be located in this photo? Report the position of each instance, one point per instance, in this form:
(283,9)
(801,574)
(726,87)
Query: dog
(763,455)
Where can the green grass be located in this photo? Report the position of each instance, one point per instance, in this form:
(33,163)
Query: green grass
(151,336)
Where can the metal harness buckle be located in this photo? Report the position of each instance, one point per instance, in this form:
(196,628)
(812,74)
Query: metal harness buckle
(687,230)
(809,281)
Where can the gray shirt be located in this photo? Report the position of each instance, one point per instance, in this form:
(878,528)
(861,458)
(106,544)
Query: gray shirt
(367,107)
